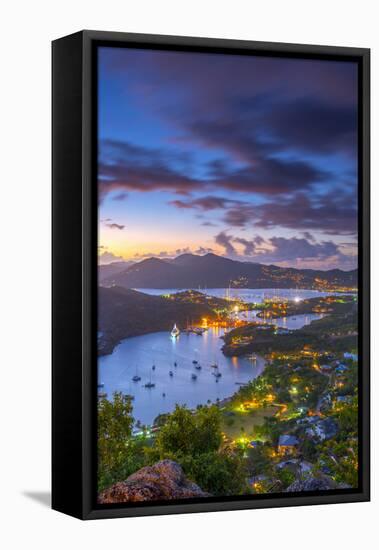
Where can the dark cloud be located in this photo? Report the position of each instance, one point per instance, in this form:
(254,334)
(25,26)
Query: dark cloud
(334,212)
(240,216)
(109,257)
(281,250)
(224,240)
(120,196)
(115,226)
(284,132)
(313,125)
(287,249)
(204,203)
(309,236)
(203,250)
(251,247)
(263,171)
(163,254)
(209,224)
(124,166)
(212,79)
(269,176)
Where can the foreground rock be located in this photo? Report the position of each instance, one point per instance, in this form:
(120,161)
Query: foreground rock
(164,480)
(323,483)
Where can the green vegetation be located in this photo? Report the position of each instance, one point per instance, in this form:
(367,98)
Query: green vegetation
(150,314)
(338,305)
(340,455)
(296,421)
(188,433)
(337,332)
(119,455)
(235,448)
(319,409)
(238,423)
(192,438)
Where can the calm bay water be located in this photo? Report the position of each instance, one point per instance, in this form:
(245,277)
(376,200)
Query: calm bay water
(247,294)
(292,323)
(137,355)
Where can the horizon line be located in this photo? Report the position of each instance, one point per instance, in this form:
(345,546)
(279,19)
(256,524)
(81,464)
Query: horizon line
(170,258)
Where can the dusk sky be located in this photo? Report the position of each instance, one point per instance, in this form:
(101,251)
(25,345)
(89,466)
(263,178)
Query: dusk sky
(254,158)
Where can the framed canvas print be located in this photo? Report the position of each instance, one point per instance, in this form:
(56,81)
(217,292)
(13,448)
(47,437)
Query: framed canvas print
(210,275)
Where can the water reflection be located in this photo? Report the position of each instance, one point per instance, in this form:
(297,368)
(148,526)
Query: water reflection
(138,354)
(178,356)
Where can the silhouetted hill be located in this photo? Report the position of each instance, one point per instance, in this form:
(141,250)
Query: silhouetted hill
(108,270)
(124,312)
(212,271)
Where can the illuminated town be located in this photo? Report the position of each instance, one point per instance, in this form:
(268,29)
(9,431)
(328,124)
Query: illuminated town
(298,419)
(227,280)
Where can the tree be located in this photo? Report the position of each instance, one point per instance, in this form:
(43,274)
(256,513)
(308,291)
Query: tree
(161,419)
(190,433)
(347,417)
(118,454)
(341,460)
(286,477)
(219,473)
(194,440)
(271,428)
(259,460)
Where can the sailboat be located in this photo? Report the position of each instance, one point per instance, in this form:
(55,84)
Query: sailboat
(175,331)
(150,384)
(136,377)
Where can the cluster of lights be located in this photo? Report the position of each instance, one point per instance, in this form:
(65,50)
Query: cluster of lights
(242,441)
(258,487)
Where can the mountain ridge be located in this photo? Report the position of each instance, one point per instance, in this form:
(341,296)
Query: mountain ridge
(213,271)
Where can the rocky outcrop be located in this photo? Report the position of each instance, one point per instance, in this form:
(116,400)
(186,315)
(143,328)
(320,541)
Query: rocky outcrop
(164,480)
(322,483)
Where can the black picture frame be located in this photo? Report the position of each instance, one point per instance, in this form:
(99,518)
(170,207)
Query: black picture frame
(74,273)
